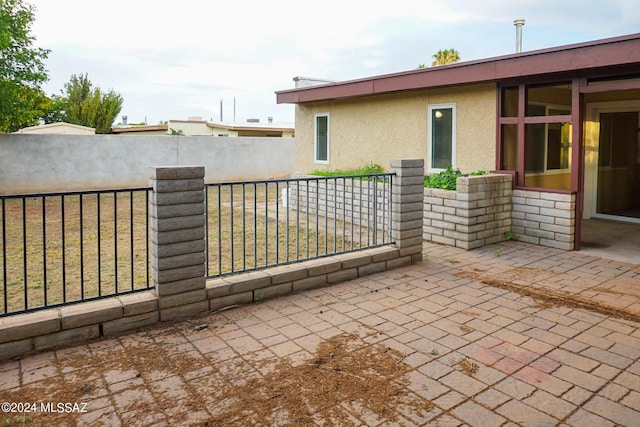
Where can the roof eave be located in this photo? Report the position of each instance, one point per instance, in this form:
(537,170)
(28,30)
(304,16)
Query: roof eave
(616,51)
(140,129)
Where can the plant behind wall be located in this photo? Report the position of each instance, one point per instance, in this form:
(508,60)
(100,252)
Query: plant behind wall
(446,179)
(369,168)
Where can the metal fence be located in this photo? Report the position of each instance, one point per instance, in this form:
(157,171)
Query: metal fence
(258,224)
(60,248)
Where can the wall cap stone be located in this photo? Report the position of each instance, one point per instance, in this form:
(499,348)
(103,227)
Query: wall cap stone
(176,172)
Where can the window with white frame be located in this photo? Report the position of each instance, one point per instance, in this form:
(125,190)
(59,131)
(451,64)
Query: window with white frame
(441,151)
(321,138)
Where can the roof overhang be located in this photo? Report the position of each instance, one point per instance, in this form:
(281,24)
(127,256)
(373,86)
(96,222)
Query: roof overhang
(140,129)
(259,128)
(583,58)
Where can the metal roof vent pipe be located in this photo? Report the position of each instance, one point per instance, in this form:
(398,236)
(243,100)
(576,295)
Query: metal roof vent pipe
(519,23)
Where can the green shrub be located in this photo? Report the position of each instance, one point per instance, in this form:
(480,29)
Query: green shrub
(369,168)
(446,179)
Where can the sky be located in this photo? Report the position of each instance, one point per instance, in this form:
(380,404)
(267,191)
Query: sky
(174,60)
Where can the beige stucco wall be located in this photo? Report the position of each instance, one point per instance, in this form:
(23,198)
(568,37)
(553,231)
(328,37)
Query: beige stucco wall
(58,129)
(191,128)
(218,131)
(380,128)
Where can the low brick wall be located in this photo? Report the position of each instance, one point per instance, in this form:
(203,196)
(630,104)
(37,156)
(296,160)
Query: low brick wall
(546,219)
(335,197)
(477,213)
(484,209)
(47,329)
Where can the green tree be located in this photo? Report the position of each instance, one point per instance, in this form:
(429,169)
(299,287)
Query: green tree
(446,56)
(82,104)
(22,69)
(54,110)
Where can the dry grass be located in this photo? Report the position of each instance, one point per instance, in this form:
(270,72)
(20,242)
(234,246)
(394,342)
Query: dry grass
(345,378)
(90,254)
(76,254)
(545,297)
(266,233)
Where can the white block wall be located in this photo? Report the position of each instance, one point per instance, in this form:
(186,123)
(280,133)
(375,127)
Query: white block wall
(478,213)
(348,200)
(546,219)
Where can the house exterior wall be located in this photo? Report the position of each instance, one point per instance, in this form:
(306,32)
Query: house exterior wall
(220,131)
(143,133)
(379,128)
(288,133)
(265,133)
(191,128)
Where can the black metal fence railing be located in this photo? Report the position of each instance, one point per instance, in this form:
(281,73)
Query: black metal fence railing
(258,224)
(61,248)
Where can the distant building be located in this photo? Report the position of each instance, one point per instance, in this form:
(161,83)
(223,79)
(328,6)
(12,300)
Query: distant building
(195,126)
(141,130)
(59,128)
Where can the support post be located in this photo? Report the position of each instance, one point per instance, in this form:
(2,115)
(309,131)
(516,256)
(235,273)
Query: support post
(178,268)
(408,206)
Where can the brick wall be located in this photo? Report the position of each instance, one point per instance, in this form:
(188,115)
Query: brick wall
(546,219)
(349,200)
(478,213)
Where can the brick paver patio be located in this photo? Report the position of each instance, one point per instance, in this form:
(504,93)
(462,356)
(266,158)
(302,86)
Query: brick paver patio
(510,334)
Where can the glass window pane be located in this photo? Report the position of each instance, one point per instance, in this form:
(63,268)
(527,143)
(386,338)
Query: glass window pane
(536,110)
(548,155)
(535,138)
(441,137)
(618,139)
(556,97)
(509,102)
(509,147)
(322,138)
(558,145)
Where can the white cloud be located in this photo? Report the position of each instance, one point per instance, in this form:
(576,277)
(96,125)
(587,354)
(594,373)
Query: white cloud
(177,59)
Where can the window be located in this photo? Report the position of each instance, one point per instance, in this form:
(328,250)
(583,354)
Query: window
(442,137)
(547,145)
(619,140)
(321,140)
(558,94)
(509,147)
(536,141)
(510,102)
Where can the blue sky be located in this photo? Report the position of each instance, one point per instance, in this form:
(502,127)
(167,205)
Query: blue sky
(173,60)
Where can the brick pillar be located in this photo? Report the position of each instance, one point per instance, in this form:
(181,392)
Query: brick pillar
(408,206)
(178,240)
